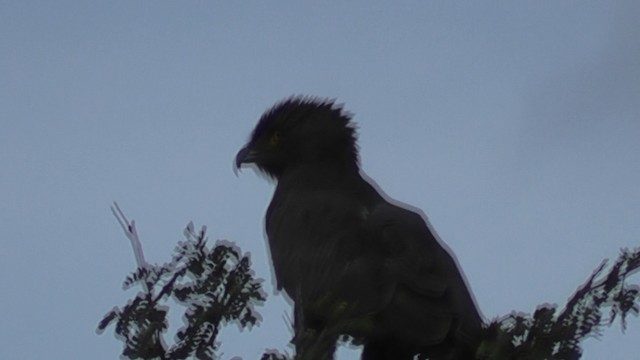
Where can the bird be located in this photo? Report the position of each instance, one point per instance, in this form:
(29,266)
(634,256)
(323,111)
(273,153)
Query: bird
(355,263)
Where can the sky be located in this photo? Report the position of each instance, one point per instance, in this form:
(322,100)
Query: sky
(513,125)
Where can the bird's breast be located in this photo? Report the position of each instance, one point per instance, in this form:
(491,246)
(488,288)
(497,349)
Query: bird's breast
(313,238)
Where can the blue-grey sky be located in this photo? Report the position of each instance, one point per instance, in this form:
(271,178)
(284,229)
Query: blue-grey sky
(515,126)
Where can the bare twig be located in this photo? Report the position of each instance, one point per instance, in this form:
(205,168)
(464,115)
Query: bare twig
(131,233)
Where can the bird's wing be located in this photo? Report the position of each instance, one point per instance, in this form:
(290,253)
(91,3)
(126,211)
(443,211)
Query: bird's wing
(414,256)
(431,299)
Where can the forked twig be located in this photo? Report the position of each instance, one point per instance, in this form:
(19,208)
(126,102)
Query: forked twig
(131,233)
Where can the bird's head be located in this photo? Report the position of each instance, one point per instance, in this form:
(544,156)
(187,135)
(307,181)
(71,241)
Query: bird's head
(300,130)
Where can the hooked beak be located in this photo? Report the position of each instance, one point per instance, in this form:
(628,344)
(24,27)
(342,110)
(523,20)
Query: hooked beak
(245,156)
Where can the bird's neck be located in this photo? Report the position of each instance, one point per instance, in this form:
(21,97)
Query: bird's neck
(326,173)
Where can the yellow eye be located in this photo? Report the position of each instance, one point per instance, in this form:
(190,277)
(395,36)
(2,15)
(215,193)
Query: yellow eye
(275,139)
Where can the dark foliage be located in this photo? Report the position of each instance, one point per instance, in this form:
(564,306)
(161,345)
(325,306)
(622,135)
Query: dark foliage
(553,334)
(215,285)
